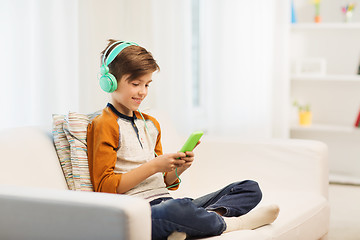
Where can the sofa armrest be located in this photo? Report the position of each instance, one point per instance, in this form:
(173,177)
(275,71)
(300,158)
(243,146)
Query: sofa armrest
(28,213)
(277,164)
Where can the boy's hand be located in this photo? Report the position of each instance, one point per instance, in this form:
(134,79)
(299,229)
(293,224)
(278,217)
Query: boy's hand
(168,162)
(190,156)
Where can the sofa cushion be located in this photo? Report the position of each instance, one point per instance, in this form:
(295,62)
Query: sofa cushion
(239,235)
(28,158)
(74,127)
(303,215)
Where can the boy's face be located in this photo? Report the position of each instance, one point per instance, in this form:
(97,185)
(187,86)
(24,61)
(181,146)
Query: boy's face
(129,94)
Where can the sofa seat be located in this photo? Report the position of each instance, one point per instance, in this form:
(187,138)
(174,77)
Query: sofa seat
(244,234)
(299,212)
(291,173)
(302,216)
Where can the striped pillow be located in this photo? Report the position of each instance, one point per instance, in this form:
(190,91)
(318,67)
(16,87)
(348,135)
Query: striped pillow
(74,127)
(63,148)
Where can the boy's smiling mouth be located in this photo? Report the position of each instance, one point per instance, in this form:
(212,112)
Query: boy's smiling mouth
(137,100)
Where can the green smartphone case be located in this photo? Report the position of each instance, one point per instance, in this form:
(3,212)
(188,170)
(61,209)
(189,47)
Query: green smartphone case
(191,141)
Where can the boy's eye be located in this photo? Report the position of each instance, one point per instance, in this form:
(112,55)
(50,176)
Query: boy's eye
(135,84)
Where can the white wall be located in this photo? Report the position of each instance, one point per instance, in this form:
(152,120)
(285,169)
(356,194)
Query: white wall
(98,22)
(281,83)
(240,44)
(161,27)
(237,55)
(39,61)
(237,47)
(172,45)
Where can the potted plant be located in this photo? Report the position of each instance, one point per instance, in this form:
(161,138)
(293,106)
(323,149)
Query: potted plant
(348,11)
(317,10)
(305,115)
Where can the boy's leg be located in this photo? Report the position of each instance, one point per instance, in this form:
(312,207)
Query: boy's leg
(181,215)
(233,200)
(235,203)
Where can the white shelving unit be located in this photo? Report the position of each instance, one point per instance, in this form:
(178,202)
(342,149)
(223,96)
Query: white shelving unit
(327,78)
(330,26)
(334,97)
(327,128)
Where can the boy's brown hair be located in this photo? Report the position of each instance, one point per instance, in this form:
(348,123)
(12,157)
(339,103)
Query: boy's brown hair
(133,60)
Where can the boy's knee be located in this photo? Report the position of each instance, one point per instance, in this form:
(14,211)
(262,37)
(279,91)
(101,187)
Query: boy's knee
(177,208)
(256,190)
(182,207)
(253,188)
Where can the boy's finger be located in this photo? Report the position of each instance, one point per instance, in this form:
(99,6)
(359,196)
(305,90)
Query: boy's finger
(179,155)
(189,154)
(189,160)
(179,162)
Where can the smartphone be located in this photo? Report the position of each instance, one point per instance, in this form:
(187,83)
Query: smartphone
(191,141)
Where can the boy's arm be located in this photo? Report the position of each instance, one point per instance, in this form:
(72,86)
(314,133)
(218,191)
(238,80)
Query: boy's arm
(163,163)
(135,176)
(102,142)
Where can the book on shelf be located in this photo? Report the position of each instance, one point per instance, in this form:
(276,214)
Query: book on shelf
(357,122)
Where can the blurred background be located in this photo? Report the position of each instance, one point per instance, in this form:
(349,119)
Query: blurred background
(221,61)
(228,67)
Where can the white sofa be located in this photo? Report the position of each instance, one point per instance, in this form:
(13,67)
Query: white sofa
(35,202)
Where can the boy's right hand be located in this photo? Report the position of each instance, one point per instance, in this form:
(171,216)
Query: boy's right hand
(168,162)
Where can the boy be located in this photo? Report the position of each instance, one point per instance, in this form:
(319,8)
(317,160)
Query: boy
(125,157)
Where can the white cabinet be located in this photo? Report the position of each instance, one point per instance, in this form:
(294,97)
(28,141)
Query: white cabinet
(334,96)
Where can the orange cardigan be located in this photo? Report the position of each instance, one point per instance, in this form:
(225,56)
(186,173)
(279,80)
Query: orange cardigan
(102,145)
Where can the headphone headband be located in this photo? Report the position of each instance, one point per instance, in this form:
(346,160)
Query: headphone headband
(115,51)
(107,81)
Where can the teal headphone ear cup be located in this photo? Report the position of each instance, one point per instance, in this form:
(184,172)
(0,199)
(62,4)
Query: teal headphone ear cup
(108,83)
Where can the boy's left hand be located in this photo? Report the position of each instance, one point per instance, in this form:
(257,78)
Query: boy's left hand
(190,156)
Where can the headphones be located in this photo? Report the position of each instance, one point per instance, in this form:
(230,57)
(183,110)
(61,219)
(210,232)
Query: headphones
(107,81)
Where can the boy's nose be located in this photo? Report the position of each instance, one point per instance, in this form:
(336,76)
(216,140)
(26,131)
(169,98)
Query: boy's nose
(143,91)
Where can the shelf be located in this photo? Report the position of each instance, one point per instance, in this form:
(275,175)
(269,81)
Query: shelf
(318,26)
(344,179)
(326,128)
(331,78)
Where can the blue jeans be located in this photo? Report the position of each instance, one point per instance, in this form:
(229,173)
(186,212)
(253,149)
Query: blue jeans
(192,216)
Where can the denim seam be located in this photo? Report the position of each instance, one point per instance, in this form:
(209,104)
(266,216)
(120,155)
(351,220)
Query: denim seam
(227,210)
(214,205)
